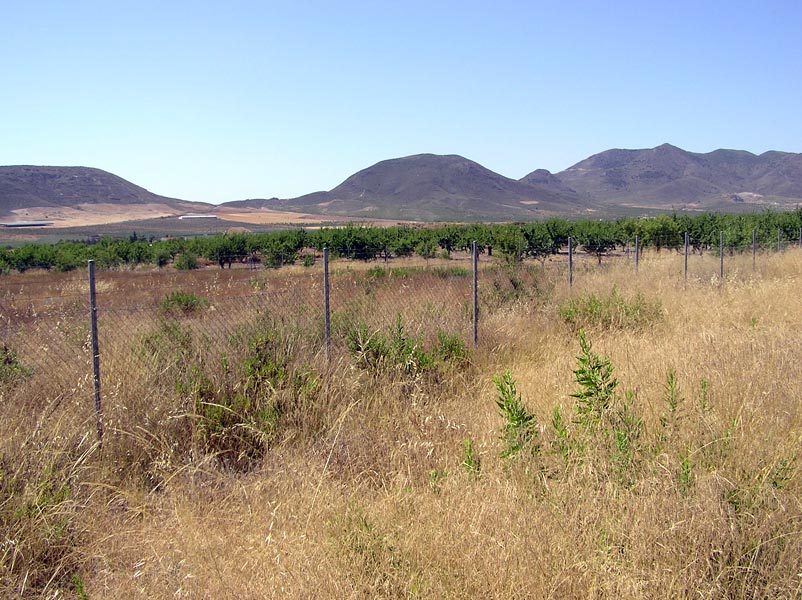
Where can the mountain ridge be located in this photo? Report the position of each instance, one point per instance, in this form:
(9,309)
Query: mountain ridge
(435,187)
(28,186)
(714,180)
(450,187)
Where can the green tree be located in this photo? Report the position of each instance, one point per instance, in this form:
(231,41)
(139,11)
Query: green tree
(597,237)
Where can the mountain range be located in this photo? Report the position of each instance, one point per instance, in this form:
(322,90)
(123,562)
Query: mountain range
(429,187)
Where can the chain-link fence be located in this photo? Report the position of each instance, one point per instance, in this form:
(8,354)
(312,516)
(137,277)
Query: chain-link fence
(195,333)
(203,333)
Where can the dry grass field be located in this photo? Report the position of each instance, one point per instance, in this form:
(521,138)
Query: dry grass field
(237,462)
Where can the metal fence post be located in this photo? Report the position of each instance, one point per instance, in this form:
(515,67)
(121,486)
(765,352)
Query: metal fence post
(685,272)
(327,313)
(637,253)
(721,257)
(779,240)
(570,262)
(754,248)
(475,260)
(95,353)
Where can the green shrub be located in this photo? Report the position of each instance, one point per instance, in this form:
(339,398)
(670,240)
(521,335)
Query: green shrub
(611,312)
(183,302)
(407,352)
(186,261)
(594,374)
(447,272)
(244,409)
(607,420)
(376,272)
(368,348)
(11,371)
(471,462)
(451,348)
(519,432)
(396,349)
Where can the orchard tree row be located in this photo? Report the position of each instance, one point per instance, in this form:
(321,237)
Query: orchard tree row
(512,241)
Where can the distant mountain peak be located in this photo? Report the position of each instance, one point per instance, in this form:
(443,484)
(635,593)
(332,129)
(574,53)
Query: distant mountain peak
(446,187)
(655,178)
(26,186)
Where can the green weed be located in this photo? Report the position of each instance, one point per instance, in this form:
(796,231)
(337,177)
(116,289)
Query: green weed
(436,479)
(519,432)
(673,400)
(602,414)
(11,371)
(78,584)
(594,374)
(451,348)
(471,463)
(562,440)
(613,311)
(448,272)
(398,350)
(179,302)
(685,475)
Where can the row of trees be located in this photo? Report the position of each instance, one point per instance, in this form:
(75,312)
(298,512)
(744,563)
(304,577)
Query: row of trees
(514,241)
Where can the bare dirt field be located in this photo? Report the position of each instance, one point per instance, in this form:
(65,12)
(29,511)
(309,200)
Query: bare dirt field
(88,215)
(277,217)
(93,214)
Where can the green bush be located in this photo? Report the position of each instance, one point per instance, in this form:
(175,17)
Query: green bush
(186,261)
(447,272)
(376,272)
(451,348)
(183,302)
(375,351)
(519,432)
(11,371)
(245,408)
(613,311)
(594,374)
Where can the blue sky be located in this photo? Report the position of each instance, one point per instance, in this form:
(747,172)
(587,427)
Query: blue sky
(216,101)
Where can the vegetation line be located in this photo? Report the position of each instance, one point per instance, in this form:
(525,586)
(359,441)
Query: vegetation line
(516,241)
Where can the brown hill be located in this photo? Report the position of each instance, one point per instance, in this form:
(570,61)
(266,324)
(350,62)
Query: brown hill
(35,189)
(667,176)
(430,187)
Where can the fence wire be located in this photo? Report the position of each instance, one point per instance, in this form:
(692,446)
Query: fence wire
(163,331)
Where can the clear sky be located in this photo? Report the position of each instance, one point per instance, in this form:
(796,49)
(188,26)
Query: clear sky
(217,101)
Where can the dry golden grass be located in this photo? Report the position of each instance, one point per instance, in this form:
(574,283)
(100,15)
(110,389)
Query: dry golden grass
(362,492)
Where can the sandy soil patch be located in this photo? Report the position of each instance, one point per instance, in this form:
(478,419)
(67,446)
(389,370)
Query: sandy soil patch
(278,217)
(93,214)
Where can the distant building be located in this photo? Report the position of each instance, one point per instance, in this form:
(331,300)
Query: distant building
(27,224)
(182,217)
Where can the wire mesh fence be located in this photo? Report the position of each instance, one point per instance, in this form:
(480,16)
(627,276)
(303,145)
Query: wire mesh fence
(191,333)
